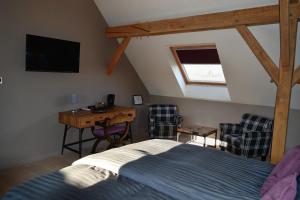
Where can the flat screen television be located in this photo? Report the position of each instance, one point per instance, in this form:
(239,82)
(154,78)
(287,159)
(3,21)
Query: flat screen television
(51,55)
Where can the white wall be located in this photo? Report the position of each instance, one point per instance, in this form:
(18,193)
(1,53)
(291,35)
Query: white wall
(208,113)
(247,81)
(30,101)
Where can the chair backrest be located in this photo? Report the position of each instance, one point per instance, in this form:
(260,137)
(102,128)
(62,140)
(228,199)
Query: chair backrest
(256,123)
(163,112)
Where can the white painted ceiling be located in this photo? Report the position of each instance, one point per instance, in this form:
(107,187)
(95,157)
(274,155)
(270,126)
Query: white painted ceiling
(247,82)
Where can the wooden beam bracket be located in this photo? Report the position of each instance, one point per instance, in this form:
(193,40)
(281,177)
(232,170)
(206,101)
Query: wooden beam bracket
(117,55)
(270,67)
(296,76)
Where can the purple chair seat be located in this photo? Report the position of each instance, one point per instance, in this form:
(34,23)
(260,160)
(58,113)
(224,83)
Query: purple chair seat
(99,132)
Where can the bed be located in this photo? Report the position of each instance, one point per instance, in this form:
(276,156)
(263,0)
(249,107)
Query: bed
(153,169)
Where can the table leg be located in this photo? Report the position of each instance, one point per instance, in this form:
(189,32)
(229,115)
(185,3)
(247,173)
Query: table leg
(80,142)
(204,145)
(64,139)
(178,134)
(216,135)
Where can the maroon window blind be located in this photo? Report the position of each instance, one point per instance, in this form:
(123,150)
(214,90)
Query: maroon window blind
(198,56)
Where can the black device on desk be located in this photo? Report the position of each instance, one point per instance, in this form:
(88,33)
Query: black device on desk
(101,107)
(110,100)
(98,109)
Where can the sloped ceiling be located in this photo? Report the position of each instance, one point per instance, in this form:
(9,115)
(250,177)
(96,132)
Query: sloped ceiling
(247,81)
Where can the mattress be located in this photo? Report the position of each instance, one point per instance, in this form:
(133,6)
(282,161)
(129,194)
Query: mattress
(153,169)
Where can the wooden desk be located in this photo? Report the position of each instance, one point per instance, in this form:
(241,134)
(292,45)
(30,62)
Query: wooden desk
(86,119)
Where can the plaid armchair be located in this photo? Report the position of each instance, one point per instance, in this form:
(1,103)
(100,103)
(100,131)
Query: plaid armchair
(250,138)
(163,121)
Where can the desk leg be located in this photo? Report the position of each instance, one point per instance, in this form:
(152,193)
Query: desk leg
(64,140)
(80,141)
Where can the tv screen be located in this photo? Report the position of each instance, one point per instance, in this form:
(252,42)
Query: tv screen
(51,55)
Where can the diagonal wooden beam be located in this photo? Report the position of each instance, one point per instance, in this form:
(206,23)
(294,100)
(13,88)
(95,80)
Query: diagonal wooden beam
(296,76)
(222,20)
(270,67)
(288,32)
(117,55)
(295,11)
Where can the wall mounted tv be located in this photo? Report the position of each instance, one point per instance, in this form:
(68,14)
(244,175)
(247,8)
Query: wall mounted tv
(51,55)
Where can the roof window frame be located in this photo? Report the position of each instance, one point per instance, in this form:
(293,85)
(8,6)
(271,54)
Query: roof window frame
(182,69)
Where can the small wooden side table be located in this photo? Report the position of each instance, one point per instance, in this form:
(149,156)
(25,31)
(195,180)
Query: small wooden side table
(199,131)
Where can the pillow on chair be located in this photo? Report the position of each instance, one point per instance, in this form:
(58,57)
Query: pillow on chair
(282,182)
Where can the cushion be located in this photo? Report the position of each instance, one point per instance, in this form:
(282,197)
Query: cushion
(232,140)
(283,176)
(110,131)
(256,123)
(285,189)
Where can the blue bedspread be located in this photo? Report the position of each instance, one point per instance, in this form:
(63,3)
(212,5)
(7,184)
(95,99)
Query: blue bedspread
(154,169)
(190,172)
(185,171)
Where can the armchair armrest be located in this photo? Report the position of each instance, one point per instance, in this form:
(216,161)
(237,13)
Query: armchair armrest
(230,129)
(151,120)
(178,120)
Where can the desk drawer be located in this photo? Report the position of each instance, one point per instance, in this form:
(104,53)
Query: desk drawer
(86,119)
(131,114)
(86,122)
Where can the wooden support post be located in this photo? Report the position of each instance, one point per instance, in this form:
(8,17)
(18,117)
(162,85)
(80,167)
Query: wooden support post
(296,75)
(288,32)
(259,52)
(117,55)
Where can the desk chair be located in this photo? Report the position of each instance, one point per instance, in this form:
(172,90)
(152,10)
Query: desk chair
(117,126)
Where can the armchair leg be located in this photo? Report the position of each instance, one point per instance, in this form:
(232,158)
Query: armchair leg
(222,148)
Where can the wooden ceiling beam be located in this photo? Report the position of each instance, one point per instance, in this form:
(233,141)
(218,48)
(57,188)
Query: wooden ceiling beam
(268,64)
(117,55)
(288,33)
(221,20)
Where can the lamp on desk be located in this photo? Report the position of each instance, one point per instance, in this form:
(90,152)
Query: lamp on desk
(74,101)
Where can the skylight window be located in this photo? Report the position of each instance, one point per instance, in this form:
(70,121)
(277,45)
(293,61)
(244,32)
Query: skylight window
(200,65)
